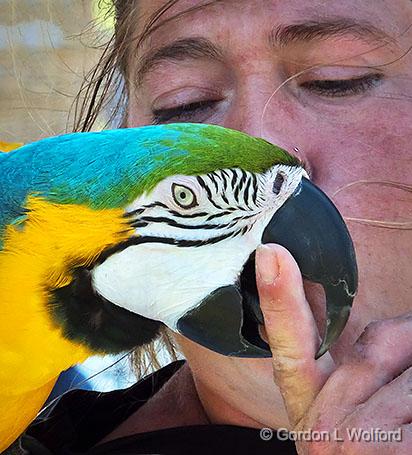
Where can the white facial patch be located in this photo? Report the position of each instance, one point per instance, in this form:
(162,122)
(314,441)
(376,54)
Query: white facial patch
(162,281)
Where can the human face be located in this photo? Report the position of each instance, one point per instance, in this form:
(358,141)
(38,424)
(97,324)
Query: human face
(346,113)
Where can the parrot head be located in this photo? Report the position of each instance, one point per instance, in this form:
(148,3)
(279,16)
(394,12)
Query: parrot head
(200,201)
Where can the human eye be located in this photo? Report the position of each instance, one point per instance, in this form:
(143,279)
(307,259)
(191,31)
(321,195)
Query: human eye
(196,112)
(339,88)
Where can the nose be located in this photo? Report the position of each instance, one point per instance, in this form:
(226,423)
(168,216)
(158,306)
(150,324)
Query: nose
(248,118)
(258,113)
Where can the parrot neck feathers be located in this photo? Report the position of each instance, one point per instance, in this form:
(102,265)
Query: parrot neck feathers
(90,319)
(38,258)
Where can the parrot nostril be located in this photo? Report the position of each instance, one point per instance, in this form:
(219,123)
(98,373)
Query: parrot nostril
(277,184)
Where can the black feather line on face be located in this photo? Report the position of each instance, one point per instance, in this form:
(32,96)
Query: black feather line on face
(225,199)
(239,187)
(225,176)
(255,189)
(234,178)
(187,215)
(218,215)
(173,223)
(208,192)
(246,193)
(211,176)
(181,243)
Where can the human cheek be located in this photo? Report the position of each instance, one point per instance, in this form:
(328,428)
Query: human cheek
(353,163)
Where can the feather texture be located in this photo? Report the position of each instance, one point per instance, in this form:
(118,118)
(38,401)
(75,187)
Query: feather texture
(62,204)
(111,168)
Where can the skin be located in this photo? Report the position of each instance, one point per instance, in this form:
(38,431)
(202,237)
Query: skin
(366,379)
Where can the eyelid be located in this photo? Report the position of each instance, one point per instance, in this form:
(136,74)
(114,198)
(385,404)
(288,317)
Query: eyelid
(342,88)
(337,73)
(183,96)
(187,111)
(187,106)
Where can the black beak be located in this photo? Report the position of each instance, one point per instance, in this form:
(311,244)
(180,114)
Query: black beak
(311,228)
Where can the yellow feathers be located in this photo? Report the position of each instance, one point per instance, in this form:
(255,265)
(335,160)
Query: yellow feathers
(38,256)
(21,409)
(9,146)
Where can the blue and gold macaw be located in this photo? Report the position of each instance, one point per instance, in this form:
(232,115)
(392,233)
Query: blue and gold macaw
(106,236)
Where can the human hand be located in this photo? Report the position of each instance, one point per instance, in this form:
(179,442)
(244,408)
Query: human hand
(370,389)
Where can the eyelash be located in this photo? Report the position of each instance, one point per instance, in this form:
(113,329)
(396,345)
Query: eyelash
(342,87)
(179,113)
(338,88)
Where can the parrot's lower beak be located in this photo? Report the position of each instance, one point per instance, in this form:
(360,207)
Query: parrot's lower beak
(311,228)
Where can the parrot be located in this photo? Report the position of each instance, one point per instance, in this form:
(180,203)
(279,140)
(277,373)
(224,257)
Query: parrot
(9,146)
(107,236)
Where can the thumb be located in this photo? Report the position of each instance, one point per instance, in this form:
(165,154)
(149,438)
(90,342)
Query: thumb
(291,330)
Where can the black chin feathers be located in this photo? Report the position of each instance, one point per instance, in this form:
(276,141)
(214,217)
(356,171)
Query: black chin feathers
(91,320)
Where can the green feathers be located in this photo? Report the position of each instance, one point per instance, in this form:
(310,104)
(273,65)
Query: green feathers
(111,168)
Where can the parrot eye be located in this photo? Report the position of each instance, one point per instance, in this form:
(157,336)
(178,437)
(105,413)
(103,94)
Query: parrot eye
(183,196)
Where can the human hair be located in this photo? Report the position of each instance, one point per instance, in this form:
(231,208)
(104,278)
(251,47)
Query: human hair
(106,88)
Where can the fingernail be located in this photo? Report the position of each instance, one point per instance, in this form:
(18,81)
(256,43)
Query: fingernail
(267,267)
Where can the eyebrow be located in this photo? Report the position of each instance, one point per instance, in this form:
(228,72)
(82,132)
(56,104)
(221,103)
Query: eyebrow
(187,48)
(284,35)
(280,36)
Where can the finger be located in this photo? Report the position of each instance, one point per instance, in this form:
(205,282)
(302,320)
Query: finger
(380,354)
(291,330)
(406,438)
(374,440)
(389,407)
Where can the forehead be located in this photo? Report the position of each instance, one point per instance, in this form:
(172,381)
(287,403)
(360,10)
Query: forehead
(193,17)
